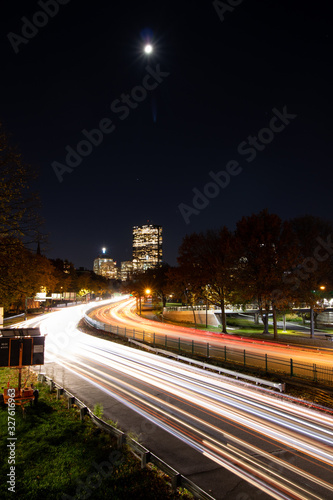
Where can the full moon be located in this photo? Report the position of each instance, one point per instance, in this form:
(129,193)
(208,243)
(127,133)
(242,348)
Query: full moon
(148,48)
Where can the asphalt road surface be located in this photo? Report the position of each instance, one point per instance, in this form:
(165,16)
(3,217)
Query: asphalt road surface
(234,441)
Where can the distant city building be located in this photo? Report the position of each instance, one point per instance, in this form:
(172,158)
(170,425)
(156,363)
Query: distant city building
(67,267)
(147,247)
(63,265)
(126,270)
(105,266)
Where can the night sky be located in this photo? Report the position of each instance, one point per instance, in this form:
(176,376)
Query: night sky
(223,77)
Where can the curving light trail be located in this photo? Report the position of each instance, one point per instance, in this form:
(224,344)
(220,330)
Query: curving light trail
(280,447)
(123,314)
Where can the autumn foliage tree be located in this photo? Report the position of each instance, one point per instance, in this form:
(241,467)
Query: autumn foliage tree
(274,264)
(209,260)
(19,206)
(267,248)
(184,283)
(19,225)
(23,274)
(313,269)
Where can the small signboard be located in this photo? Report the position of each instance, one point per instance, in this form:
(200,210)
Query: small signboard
(24,348)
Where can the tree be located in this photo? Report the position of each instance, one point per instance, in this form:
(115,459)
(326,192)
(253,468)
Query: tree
(156,280)
(83,283)
(65,274)
(19,223)
(18,206)
(22,274)
(267,249)
(100,284)
(208,259)
(314,266)
(183,284)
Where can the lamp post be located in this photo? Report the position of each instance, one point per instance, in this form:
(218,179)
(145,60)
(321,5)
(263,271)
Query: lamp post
(147,293)
(207,300)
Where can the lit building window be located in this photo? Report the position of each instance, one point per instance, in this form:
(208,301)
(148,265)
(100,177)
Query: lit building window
(147,247)
(126,270)
(105,266)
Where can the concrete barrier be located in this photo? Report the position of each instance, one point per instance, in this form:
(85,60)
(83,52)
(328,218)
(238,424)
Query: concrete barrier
(187,316)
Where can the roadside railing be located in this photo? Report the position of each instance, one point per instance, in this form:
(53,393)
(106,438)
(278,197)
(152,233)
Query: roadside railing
(176,478)
(211,307)
(200,308)
(243,358)
(237,375)
(14,317)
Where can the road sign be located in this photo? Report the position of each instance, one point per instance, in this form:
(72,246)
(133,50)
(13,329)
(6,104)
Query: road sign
(24,348)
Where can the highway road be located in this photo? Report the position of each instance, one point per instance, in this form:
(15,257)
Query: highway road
(238,442)
(124,314)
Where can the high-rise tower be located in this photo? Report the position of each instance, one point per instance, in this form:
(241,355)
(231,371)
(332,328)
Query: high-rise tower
(147,247)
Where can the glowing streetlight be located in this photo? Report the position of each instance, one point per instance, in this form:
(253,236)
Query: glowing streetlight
(322,287)
(147,291)
(148,48)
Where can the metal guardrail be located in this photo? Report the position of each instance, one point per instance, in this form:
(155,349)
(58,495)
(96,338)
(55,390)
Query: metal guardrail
(177,479)
(239,357)
(277,385)
(13,317)
(249,307)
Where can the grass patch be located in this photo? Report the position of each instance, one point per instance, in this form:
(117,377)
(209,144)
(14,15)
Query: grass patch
(59,457)
(246,327)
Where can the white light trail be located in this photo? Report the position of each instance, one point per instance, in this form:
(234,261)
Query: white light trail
(193,405)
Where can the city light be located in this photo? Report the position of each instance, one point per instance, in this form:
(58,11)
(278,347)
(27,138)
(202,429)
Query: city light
(148,48)
(147,247)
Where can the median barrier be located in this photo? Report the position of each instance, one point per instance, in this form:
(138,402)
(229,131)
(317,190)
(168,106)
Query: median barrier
(277,385)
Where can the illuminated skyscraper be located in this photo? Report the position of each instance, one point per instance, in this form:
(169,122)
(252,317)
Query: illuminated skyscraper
(105,266)
(126,270)
(147,247)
